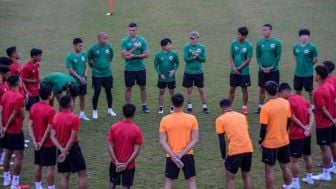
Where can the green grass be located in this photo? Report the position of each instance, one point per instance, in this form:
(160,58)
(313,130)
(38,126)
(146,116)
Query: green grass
(51,25)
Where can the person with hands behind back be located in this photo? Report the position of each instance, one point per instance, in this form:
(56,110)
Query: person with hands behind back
(178,136)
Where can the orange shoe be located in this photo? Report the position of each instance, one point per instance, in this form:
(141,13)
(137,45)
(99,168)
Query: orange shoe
(245,110)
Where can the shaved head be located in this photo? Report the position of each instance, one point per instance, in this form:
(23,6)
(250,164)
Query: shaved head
(102,38)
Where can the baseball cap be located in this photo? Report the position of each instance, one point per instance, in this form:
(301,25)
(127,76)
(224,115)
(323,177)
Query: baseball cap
(194,35)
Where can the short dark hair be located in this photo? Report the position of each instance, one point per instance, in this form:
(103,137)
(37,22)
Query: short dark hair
(5,61)
(10,51)
(4,69)
(73,89)
(77,40)
(177,100)
(284,87)
(65,101)
(304,31)
(128,110)
(35,52)
(330,65)
(269,26)
(322,71)
(243,31)
(13,80)
(45,91)
(271,87)
(165,42)
(132,25)
(225,103)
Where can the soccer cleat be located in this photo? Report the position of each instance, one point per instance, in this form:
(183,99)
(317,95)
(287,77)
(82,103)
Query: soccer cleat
(295,185)
(160,110)
(206,110)
(171,109)
(21,186)
(245,110)
(94,115)
(257,111)
(189,110)
(308,181)
(84,117)
(333,169)
(7,182)
(321,177)
(110,112)
(145,109)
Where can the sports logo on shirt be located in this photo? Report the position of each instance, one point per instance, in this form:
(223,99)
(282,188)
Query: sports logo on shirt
(83,58)
(244,49)
(236,48)
(272,46)
(297,51)
(306,51)
(161,58)
(75,60)
(171,57)
(97,52)
(198,50)
(107,51)
(262,46)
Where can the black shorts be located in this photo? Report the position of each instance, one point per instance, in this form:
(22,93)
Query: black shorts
(74,162)
(240,80)
(299,147)
(243,161)
(98,82)
(304,82)
(132,77)
(270,155)
(126,177)
(163,85)
(46,156)
(326,136)
(264,77)
(189,80)
(31,101)
(82,89)
(13,142)
(1,142)
(172,171)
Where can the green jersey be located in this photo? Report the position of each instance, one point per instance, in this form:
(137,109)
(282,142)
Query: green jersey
(127,44)
(77,62)
(194,65)
(100,57)
(240,52)
(164,63)
(304,56)
(268,52)
(58,80)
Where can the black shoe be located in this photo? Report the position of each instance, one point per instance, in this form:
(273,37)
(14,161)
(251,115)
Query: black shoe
(189,110)
(171,109)
(257,111)
(145,109)
(206,110)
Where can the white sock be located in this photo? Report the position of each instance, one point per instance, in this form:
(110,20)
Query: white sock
(295,179)
(95,111)
(38,185)
(6,175)
(326,172)
(2,156)
(205,106)
(260,105)
(52,187)
(244,106)
(81,113)
(189,105)
(309,175)
(287,186)
(16,180)
(334,164)
(109,109)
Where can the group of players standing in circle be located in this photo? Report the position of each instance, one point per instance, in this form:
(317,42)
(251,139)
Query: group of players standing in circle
(56,133)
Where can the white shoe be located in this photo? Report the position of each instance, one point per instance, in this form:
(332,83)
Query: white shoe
(83,117)
(94,115)
(333,169)
(110,112)
(27,141)
(26,145)
(308,181)
(295,185)
(171,109)
(7,182)
(322,177)
(15,187)
(160,110)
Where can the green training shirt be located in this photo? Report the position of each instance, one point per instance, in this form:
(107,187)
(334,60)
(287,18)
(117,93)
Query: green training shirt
(58,80)
(194,66)
(165,62)
(126,44)
(268,53)
(101,57)
(77,62)
(304,59)
(240,52)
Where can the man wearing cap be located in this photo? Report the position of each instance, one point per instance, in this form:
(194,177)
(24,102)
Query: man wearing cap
(194,55)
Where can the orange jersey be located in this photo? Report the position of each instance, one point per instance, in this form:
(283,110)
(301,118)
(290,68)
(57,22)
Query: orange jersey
(178,128)
(234,125)
(275,114)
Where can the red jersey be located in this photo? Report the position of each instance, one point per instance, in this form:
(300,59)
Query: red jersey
(31,71)
(13,101)
(299,108)
(41,114)
(64,123)
(324,95)
(3,88)
(124,135)
(15,68)
(332,80)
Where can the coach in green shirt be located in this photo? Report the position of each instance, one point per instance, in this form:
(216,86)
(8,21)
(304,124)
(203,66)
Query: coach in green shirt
(194,56)
(268,53)
(99,58)
(76,63)
(305,54)
(134,49)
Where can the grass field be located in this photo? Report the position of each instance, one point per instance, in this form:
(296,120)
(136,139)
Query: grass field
(51,25)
